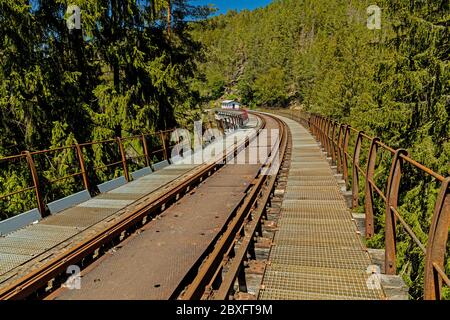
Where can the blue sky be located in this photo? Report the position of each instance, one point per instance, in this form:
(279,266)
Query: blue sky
(225,5)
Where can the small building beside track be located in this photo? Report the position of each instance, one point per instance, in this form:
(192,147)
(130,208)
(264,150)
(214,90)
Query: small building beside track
(231,104)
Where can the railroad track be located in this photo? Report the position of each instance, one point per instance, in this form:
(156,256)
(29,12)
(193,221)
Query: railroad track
(201,282)
(222,275)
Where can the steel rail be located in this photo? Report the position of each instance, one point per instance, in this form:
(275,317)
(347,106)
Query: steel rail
(38,278)
(236,265)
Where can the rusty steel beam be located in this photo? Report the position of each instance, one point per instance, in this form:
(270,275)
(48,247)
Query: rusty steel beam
(123,159)
(392,202)
(355,172)
(82,167)
(345,152)
(437,245)
(145,148)
(37,186)
(369,206)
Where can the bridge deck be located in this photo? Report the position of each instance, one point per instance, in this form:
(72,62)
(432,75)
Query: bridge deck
(317,253)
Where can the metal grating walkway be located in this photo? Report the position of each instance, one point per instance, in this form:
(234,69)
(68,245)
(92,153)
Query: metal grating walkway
(317,252)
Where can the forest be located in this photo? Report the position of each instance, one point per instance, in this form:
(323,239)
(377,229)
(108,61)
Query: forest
(123,72)
(136,67)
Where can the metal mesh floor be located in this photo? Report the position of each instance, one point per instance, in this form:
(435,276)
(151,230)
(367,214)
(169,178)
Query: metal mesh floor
(82,217)
(318,225)
(313,193)
(317,207)
(320,282)
(24,246)
(315,256)
(10,261)
(279,294)
(310,183)
(317,252)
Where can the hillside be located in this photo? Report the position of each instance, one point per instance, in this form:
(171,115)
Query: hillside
(320,55)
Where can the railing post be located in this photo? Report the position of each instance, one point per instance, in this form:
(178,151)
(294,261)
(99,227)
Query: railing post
(315,126)
(37,188)
(368,198)
(124,159)
(322,130)
(178,143)
(344,154)
(339,149)
(327,136)
(82,167)
(355,172)
(314,122)
(437,243)
(163,142)
(333,147)
(322,133)
(391,203)
(146,155)
(221,126)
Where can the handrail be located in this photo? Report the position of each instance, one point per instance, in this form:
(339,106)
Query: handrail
(337,149)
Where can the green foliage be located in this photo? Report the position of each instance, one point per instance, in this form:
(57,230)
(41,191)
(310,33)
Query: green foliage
(269,88)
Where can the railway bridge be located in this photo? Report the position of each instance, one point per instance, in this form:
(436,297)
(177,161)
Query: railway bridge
(280,205)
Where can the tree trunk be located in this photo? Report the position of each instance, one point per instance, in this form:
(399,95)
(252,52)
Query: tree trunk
(169,16)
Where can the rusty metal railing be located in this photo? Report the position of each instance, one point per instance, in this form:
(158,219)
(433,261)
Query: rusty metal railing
(335,138)
(115,146)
